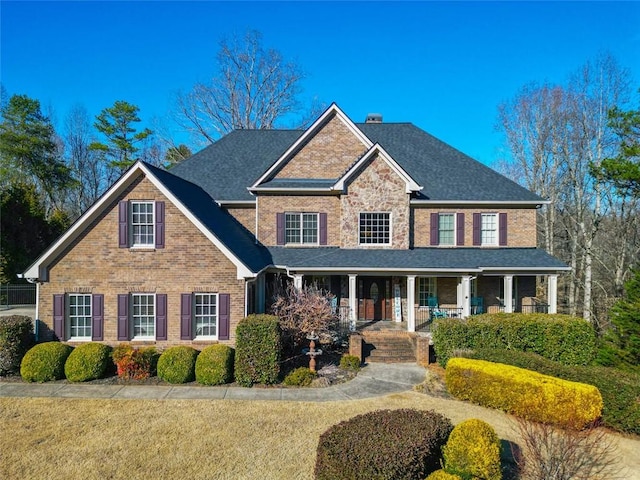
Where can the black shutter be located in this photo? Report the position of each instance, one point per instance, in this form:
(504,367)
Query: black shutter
(58,316)
(97,317)
(186,329)
(123,317)
(323,228)
(477,226)
(460,229)
(435,229)
(123,224)
(502,229)
(159,224)
(161,316)
(224,308)
(280,228)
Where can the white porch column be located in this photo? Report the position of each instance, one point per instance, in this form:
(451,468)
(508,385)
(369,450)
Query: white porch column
(552,293)
(466,296)
(297,281)
(508,293)
(353,301)
(411,302)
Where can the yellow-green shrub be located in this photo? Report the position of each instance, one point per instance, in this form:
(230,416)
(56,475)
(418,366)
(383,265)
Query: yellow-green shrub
(442,475)
(473,451)
(527,394)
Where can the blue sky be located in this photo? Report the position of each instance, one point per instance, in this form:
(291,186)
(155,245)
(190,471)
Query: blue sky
(444,66)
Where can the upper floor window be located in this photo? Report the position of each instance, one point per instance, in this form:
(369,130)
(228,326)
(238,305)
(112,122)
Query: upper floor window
(447,229)
(79,315)
(301,228)
(375,228)
(489,229)
(142,224)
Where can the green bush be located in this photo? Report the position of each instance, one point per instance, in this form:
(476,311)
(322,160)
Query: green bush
(45,362)
(258,349)
(473,451)
(300,377)
(16,337)
(214,365)
(620,390)
(384,444)
(178,364)
(562,338)
(87,362)
(442,475)
(350,362)
(135,363)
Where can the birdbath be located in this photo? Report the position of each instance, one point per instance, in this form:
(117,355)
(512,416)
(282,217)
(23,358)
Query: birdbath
(312,352)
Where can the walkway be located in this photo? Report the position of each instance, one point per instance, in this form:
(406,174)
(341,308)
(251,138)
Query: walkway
(373,380)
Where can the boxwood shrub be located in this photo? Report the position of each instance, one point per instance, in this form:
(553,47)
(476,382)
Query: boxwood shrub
(88,362)
(178,364)
(473,451)
(525,393)
(620,390)
(45,362)
(350,362)
(16,337)
(258,350)
(214,365)
(561,338)
(300,377)
(394,444)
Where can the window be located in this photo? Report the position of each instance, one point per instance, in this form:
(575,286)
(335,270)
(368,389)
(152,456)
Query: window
(143,315)
(447,229)
(206,314)
(301,228)
(375,228)
(142,224)
(489,229)
(79,314)
(426,289)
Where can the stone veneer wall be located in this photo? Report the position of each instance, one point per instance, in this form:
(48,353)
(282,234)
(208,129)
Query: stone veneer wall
(377,188)
(328,154)
(521,225)
(188,263)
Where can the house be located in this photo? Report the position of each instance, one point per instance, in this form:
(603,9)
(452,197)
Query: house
(400,226)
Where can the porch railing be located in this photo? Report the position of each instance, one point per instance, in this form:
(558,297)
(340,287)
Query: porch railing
(425,316)
(17,296)
(536,308)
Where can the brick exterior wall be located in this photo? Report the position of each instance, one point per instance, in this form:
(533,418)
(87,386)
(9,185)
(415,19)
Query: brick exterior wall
(328,154)
(377,188)
(188,263)
(245,215)
(521,225)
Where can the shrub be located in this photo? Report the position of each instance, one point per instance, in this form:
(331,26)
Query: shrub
(393,444)
(87,362)
(350,362)
(442,475)
(258,347)
(473,451)
(178,364)
(135,363)
(45,362)
(214,365)
(527,394)
(300,377)
(562,338)
(620,390)
(16,337)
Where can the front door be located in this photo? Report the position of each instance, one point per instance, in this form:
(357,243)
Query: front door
(374,298)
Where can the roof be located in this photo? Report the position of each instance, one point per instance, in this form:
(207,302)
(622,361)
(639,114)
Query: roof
(228,167)
(480,260)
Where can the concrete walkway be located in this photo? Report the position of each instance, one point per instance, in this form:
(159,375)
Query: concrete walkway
(373,380)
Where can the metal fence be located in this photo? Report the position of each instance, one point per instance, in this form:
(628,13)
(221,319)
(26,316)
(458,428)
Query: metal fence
(17,295)
(425,316)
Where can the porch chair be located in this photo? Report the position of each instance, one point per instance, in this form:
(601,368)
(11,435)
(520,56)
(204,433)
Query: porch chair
(477,305)
(434,308)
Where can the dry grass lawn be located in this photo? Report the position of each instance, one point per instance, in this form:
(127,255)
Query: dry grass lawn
(54,438)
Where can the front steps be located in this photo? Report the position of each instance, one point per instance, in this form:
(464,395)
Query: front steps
(388,347)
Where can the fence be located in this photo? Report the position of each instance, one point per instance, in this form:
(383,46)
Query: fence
(17,295)
(426,315)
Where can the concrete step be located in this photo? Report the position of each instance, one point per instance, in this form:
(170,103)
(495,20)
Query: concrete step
(388,348)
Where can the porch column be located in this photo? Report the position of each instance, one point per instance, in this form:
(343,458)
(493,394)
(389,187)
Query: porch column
(466,296)
(411,302)
(552,293)
(353,301)
(508,293)
(297,281)
(260,294)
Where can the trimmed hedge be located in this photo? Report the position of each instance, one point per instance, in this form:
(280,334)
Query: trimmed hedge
(258,348)
(350,362)
(214,365)
(525,393)
(300,377)
(45,362)
(16,337)
(442,475)
(88,362)
(178,364)
(384,444)
(473,451)
(561,338)
(620,390)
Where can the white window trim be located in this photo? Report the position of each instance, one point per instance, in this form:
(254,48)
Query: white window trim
(152,244)
(194,318)
(132,319)
(301,215)
(434,292)
(390,242)
(453,237)
(496,230)
(68,317)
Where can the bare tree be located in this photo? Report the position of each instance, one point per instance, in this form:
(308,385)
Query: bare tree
(253,88)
